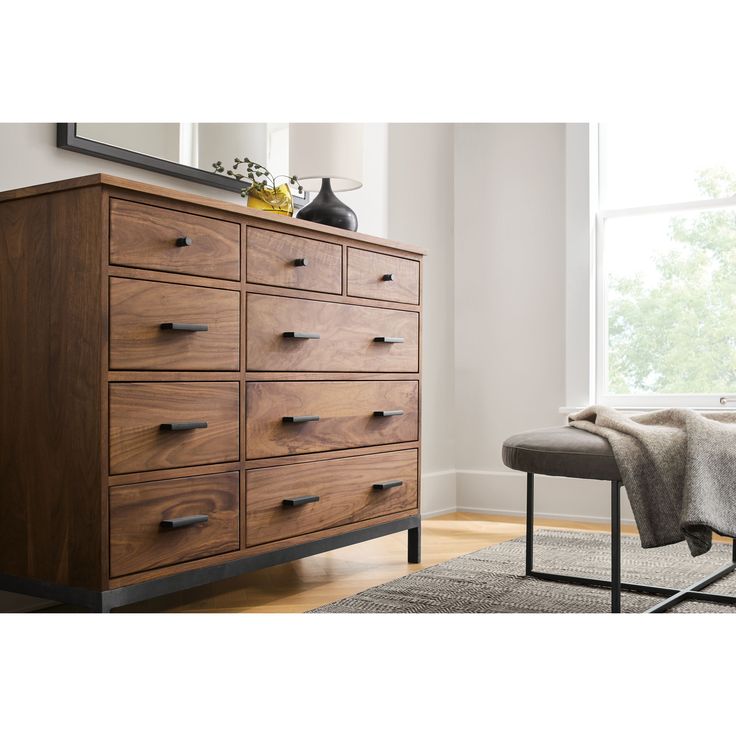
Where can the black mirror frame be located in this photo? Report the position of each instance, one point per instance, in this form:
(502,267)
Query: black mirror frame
(67,138)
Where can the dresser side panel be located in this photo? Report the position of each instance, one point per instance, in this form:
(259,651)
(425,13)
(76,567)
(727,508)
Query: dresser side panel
(51,333)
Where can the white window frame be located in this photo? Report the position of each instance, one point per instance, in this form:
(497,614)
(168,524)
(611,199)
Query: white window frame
(600,352)
(581,187)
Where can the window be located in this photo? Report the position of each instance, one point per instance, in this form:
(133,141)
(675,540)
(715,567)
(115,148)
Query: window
(666,266)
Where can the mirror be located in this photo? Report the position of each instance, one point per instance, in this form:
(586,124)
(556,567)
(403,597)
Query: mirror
(186,150)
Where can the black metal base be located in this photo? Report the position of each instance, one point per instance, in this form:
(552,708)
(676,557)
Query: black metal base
(104,601)
(672,596)
(415,545)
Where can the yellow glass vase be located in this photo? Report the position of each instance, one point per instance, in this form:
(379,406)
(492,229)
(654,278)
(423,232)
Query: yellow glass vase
(272,200)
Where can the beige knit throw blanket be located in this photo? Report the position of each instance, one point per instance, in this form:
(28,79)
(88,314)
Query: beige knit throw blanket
(679,470)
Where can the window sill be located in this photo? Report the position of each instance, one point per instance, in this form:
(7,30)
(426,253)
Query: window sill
(565,410)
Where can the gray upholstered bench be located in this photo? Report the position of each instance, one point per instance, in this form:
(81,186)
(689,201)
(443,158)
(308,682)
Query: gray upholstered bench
(575,453)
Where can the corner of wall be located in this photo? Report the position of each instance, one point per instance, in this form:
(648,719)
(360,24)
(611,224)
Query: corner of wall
(421,210)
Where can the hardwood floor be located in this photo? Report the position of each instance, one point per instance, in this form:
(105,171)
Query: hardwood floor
(305,584)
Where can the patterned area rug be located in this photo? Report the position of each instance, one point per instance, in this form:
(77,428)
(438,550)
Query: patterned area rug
(492,580)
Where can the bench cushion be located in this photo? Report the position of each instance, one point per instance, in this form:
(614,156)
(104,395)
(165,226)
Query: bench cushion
(565,451)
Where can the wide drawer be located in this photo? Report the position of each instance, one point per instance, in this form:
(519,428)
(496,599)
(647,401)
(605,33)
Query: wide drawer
(173,425)
(287,501)
(286,334)
(378,276)
(169,521)
(293,417)
(156,326)
(144,236)
(278,259)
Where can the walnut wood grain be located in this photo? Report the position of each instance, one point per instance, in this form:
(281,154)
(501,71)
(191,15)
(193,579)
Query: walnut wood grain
(345,490)
(337,298)
(346,415)
(60,346)
(252,551)
(271,259)
(172,278)
(328,455)
(158,195)
(367,272)
(137,410)
(51,329)
(346,332)
(146,237)
(137,310)
(168,473)
(137,541)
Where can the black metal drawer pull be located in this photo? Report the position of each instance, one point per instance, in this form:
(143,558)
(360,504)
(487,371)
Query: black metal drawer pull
(387,277)
(300,500)
(185,521)
(388,339)
(389,413)
(300,420)
(181,242)
(179,426)
(301,262)
(184,327)
(388,484)
(302,335)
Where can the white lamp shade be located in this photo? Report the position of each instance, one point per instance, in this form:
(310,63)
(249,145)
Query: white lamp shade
(326,151)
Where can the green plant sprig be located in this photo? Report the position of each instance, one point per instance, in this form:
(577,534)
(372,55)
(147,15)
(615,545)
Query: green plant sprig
(259,176)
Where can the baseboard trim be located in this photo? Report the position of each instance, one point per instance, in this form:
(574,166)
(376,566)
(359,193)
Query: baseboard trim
(522,513)
(503,492)
(438,473)
(505,473)
(439,512)
(439,492)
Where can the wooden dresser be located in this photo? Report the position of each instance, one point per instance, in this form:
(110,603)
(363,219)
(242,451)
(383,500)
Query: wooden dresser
(190,390)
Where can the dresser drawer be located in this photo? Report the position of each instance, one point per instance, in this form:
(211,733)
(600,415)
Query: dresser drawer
(155,326)
(287,501)
(293,262)
(151,524)
(140,414)
(150,237)
(378,276)
(329,336)
(294,417)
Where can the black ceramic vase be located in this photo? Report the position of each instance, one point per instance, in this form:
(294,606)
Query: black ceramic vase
(327,209)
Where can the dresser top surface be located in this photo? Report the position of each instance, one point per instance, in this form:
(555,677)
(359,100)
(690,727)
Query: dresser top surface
(101,179)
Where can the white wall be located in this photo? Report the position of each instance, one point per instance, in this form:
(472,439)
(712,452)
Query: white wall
(510,313)
(509,307)
(421,211)
(371,201)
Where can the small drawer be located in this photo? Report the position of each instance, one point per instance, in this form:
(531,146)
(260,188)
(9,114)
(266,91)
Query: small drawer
(378,276)
(173,425)
(286,334)
(287,501)
(294,417)
(277,259)
(169,521)
(144,236)
(156,326)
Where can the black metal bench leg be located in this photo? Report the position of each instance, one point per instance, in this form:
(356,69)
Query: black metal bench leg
(673,596)
(529,523)
(615,546)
